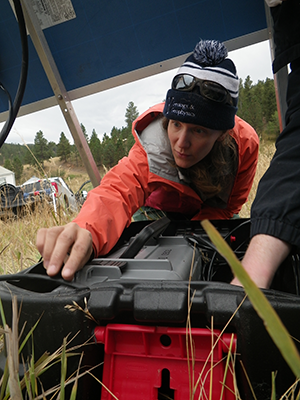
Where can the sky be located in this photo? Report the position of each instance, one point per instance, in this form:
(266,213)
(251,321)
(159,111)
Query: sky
(106,109)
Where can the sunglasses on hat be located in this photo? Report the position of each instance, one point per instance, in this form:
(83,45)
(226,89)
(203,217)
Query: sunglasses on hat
(208,89)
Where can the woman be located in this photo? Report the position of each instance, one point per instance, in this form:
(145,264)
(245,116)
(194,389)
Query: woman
(192,157)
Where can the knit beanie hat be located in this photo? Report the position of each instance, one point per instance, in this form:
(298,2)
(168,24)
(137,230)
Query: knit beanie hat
(208,62)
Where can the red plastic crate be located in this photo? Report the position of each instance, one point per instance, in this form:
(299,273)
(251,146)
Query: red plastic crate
(150,363)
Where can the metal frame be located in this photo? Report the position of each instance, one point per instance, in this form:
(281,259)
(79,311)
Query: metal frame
(60,92)
(280,78)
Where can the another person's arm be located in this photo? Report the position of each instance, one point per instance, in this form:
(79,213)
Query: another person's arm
(275,213)
(264,255)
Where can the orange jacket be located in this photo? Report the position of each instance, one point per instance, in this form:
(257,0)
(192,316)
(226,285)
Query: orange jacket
(149,169)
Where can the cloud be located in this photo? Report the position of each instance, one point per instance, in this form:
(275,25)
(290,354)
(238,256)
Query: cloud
(254,60)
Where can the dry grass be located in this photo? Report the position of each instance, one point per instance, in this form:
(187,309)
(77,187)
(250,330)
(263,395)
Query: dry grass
(265,155)
(13,386)
(17,241)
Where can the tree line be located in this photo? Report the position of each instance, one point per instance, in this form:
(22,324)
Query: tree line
(257,106)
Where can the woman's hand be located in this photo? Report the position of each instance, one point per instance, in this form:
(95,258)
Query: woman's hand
(69,245)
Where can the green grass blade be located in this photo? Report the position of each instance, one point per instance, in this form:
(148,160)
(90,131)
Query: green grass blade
(27,385)
(74,391)
(2,314)
(273,394)
(228,360)
(75,386)
(29,334)
(4,381)
(272,322)
(63,370)
(32,370)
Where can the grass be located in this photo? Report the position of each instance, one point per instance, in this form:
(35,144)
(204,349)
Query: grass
(17,241)
(14,387)
(266,152)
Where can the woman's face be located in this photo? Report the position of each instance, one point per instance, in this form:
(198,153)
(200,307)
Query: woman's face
(190,143)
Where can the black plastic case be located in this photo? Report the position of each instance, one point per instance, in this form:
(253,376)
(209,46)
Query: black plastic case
(145,280)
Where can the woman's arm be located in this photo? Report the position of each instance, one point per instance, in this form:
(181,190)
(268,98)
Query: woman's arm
(102,219)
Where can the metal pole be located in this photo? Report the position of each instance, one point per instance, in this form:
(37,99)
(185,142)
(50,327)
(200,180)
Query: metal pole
(61,94)
(280,78)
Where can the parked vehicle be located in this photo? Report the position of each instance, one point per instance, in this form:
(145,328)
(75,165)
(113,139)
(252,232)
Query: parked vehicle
(54,191)
(11,199)
(36,189)
(66,197)
(15,199)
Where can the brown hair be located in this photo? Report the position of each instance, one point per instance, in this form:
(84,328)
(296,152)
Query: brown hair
(215,172)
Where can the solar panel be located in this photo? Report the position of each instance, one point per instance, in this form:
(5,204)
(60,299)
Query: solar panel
(97,44)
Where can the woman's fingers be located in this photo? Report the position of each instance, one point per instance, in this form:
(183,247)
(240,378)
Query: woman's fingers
(69,245)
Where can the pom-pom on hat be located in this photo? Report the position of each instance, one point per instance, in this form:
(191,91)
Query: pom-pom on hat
(208,62)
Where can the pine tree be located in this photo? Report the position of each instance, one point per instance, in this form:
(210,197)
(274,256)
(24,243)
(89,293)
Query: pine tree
(17,168)
(131,114)
(272,129)
(108,150)
(269,100)
(52,146)
(8,164)
(95,146)
(84,132)
(249,106)
(244,105)
(40,148)
(28,157)
(63,147)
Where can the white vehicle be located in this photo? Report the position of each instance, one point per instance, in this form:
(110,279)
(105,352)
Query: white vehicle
(54,190)
(36,190)
(64,195)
